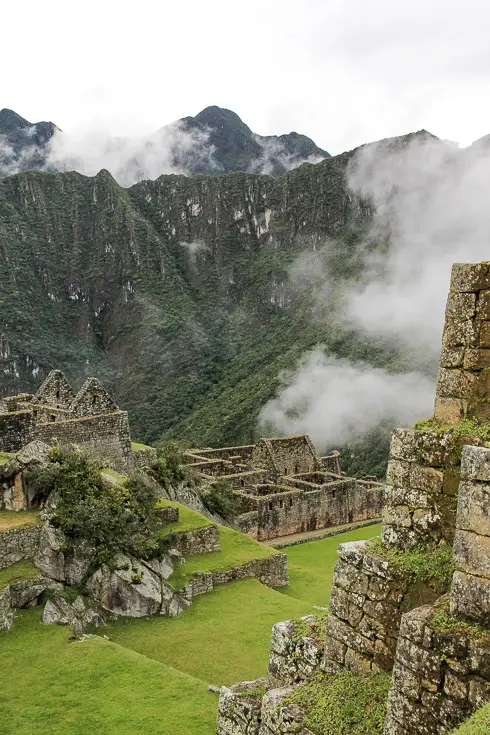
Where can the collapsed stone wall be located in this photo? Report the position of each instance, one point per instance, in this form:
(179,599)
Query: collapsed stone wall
(198,541)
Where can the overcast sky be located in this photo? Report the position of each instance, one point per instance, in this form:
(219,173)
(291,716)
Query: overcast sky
(343,72)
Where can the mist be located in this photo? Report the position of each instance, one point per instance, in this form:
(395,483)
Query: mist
(430,200)
(336,400)
(170,150)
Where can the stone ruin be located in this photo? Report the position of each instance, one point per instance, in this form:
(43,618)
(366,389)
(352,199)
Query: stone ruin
(283,487)
(29,424)
(433,636)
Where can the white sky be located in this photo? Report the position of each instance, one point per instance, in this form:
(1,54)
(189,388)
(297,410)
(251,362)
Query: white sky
(344,72)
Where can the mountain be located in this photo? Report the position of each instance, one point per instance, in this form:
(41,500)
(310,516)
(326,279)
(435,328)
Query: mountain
(177,292)
(214,141)
(237,148)
(22,144)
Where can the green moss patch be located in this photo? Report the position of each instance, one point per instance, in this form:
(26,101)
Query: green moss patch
(444,622)
(4,457)
(314,627)
(17,519)
(343,704)
(120,479)
(418,565)
(17,572)
(236,549)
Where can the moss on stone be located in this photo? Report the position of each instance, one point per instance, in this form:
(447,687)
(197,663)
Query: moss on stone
(444,622)
(418,565)
(17,572)
(343,704)
(314,626)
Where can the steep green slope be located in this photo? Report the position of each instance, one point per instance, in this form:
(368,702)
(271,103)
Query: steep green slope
(176,292)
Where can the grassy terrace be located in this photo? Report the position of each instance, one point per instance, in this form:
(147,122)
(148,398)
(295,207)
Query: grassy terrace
(4,457)
(152,675)
(189,520)
(23,569)
(17,519)
(236,549)
(136,446)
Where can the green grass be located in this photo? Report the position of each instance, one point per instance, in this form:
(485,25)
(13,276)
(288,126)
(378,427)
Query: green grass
(479,724)
(96,686)
(4,457)
(236,549)
(23,569)
(17,518)
(222,638)
(311,565)
(121,479)
(136,446)
(189,520)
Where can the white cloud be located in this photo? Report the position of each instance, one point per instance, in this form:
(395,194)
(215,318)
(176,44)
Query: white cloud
(335,401)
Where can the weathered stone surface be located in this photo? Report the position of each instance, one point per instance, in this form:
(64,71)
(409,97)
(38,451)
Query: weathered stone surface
(454,383)
(79,614)
(476,359)
(427,479)
(467,277)
(276,718)
(448,410)
(17,544)
(403,444)
(461,305)
(398,473)
(78,562)
(49,557)
(239,714)
(117,591)
(475,463)
(472,553)
(452,357)
(25,592)
(6,610)
(470,597)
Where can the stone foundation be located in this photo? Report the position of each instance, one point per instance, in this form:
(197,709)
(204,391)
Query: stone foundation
(198,541)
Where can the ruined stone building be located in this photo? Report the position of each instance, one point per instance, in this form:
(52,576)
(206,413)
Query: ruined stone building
(416,604)
(88,418)
(283,487)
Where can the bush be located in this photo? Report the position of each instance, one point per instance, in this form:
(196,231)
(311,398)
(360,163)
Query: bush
(109,518)
(219,499)
(169,468)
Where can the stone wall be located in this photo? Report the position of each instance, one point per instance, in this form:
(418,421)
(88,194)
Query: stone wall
(22,593)
(18,543)
(440,676)
(286,455)
(106,435)
(297,649)
(198,541)
(15,430)
(366,605)
(296,511)
(272,571)
(470,595)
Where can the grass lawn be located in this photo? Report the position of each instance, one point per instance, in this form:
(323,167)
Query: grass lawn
(222,638)
(17,518)
(136,446)
(23,569)
(4,457)
(189,520)
(311,565)
(236,548)
(63,687)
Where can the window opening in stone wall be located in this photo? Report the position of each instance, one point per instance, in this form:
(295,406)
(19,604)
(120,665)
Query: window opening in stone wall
(242,482)
(285,470)
(52,418)
(280,503)
(57,394)
(270,506)
(290,502)
(333,493)
(94,400)
(296,469)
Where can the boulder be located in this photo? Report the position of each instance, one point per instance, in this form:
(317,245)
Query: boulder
(79,614)
(50,558)
(128,588)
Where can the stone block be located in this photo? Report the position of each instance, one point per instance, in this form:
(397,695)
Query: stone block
(482,385)
(373,564)
(479,694)
(467,277)
(335,650)
(472,553)
(398,516)
(479,410)
(475,463)
(454,383)
(452,357)
(435,449)
(455,688)
(473,504)
(398,473)
(357,663)
(470,597)
(342,632)
(352,552)
(484,340)
(450,483)
(480,660)
(350,578)
(461,305)
(483,305)
(405,681)
(427,479)
(403,444)
(388,615)
(343,606)
(448,410)
(413,623)
(394,537)
(426,664)
(371,628)
(460,333)
(476,359)
(383,656)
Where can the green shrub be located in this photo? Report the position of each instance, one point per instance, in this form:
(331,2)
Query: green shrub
(169,468)
(110,518)
(220,499)
(418,565)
